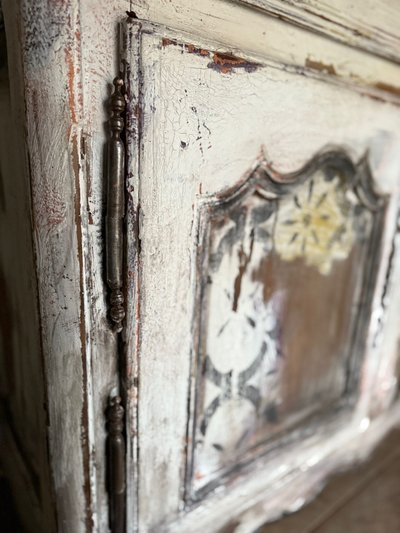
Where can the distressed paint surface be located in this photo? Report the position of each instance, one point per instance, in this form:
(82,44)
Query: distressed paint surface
(344,21)
(65,55)
(245,32)
(193,143)
(63,65)
(276,327)
(55,171)
(23,410)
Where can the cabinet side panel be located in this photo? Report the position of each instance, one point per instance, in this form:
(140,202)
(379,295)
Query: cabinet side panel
(47,44)
(24,452)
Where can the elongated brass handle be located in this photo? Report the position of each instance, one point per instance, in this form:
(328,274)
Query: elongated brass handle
(116,466)
(114,273)
(115,208)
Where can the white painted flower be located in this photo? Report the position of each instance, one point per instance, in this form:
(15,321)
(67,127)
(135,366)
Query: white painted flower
(312,225)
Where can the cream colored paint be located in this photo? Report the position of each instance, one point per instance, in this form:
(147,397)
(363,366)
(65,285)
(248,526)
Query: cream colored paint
(348,22)
(60,87)
(225,121)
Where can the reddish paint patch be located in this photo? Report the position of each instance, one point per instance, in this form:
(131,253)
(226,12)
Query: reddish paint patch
(168,42)
(225,63)
(244,261)
(191,49)
(71,83)
(137,113)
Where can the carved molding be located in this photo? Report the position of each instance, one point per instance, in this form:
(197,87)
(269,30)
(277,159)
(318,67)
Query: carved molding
(285,275)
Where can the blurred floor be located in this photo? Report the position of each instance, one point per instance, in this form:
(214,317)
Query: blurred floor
(363,500)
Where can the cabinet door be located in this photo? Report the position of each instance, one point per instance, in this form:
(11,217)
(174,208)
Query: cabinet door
(262,249)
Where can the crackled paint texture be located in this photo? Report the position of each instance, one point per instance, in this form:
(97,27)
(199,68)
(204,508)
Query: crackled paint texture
(200,113)
(201,130)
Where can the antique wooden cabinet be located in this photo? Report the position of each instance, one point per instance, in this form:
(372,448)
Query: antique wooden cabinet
(200,261)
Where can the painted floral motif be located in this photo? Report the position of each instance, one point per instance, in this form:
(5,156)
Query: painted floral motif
(314,225)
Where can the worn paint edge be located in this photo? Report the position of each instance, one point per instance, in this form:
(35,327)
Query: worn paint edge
(312,67)
(307,18)
(78,167)
(221,62)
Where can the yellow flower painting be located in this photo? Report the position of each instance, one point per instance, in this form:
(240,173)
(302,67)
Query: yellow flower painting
(312,225)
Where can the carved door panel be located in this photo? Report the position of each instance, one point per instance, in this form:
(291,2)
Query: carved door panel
(261,342)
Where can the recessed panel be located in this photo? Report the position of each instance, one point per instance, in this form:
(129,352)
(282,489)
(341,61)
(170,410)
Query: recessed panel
(283,269)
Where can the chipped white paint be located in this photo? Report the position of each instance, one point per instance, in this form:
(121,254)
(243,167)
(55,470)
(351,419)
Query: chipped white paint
(195,142)
(238,340)
(62,57)
(201,130)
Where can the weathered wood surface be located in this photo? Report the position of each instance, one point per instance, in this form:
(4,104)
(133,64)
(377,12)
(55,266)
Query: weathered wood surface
(366,496)
(206,118)
(47,55)
(284,276)
(23,433)
(371,25)
(234,27)
(64,57)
